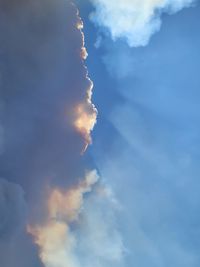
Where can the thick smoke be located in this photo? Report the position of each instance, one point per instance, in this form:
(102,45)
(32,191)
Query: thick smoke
(134,20)
(55,238)
(45,94)
(46,118)
(79,232)
(43,83)
(12,209)
(45,102)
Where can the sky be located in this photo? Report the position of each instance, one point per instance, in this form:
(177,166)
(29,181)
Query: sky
(99,133)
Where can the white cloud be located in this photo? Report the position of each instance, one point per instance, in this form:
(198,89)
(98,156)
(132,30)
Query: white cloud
(134,20)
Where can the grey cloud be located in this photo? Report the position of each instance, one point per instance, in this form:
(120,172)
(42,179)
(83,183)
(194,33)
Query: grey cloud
(42,80)
(15,247)
(12,209)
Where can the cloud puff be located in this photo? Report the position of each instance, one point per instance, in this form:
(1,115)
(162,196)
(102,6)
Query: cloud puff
(55,238)
(134,20)
(78,230)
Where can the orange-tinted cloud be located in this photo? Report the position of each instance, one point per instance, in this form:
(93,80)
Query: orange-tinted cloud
(54,237)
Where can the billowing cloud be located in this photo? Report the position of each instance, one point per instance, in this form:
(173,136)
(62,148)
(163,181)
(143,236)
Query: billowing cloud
(78,232)
(134,20)
(54,237)
(46,111)
(46,117)
(13,212)
(44,83)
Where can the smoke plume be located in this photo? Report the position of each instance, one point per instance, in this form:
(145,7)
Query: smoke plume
(46,116)
(55,238)
(46,119)
(77,230)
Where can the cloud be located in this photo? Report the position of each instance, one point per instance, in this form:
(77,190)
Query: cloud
(54,237)
(134,20)
(77,229)
(13,214)
(47,116)
(44,80)
(85,115)
(46,110)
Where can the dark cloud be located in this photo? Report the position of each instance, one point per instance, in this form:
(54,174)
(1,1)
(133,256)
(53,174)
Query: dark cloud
(42,81)
(12,209)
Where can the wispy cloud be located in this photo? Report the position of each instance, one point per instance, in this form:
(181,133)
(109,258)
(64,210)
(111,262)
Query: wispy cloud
(134,20)
(153,162)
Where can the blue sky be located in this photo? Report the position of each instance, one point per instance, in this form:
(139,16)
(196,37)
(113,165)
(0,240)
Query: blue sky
(146,142)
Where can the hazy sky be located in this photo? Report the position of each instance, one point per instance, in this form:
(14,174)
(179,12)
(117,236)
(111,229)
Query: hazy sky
(146,142)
